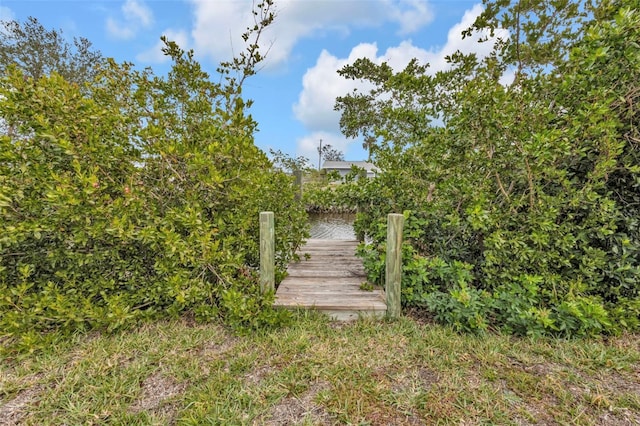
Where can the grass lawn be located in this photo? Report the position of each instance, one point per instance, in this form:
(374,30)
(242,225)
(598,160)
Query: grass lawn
(317,372)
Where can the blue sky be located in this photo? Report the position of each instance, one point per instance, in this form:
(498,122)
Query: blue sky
(310,39)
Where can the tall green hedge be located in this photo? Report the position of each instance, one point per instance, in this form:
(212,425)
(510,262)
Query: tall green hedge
(523,202)
(135,197)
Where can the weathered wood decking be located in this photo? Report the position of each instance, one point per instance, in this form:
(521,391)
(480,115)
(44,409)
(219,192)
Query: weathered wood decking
(329,281)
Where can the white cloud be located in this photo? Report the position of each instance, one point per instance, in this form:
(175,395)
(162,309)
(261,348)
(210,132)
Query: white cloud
(154,55)
(296,19)
(6,14)
(415,15)
(137,12)
(321,84)
(508,77)
(470,44)
(135,15)
(308,145)
(119,30)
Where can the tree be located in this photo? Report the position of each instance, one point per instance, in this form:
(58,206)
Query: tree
(38,52)
(522,205)
(329,153)
(369,143)
(375,115)
(287,163)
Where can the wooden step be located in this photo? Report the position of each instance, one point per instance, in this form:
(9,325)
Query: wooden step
(329,281)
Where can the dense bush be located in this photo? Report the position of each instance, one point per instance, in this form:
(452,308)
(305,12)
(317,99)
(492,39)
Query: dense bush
(330,193)
(522,207)
(135,197)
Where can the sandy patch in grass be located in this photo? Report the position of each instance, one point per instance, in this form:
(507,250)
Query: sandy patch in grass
(256,375)
(155,390)
(603,391)
(13,411)
(624,417)
(544,369)
(405,386)
(618,383)
(428,377)
(215,350)
(413,381)
(295,410)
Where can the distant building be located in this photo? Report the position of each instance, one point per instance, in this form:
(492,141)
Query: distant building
(344,167)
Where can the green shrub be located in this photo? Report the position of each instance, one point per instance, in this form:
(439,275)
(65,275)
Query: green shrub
(137,197)
(522,204)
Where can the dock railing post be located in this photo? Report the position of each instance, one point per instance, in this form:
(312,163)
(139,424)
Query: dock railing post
(267,252)
(393,272)
(298,177)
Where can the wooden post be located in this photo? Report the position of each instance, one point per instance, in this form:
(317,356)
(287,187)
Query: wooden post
(298,175)
(393,273)
(267,252)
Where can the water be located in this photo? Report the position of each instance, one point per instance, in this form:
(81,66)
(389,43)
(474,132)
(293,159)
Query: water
(332,226)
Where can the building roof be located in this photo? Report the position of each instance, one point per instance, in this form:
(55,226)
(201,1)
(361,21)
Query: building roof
(346,165)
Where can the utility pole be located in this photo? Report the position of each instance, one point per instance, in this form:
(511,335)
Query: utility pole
(319,154)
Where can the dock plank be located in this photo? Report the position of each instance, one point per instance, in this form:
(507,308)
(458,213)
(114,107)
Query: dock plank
(328,278)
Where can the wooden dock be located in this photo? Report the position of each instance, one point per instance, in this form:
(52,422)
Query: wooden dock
(329,280)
